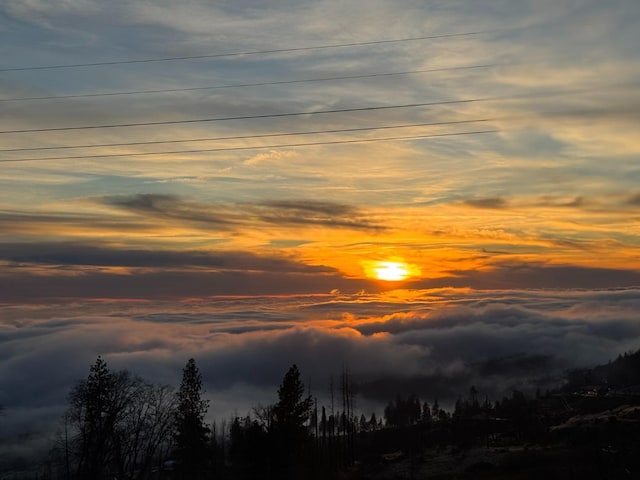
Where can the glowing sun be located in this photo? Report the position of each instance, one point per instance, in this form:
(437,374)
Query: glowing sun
(391,271)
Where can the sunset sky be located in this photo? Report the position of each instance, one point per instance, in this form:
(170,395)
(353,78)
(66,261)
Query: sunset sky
(234,180)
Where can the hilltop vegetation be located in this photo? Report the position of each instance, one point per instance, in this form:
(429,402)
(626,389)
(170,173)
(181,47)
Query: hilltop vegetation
(117,426)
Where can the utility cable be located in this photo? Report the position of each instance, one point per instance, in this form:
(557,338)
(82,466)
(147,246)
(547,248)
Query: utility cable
(244,85)
(237,54)
(294,114)
(258,147)
(248,117)
(247,137)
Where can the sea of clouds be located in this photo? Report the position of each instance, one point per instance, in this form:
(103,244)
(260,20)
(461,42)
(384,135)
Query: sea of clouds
(435,343)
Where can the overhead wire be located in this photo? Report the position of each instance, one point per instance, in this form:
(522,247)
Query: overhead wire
(246,137)
(254,147)
(249,117)
(244,117)
(244,85)
(238,54)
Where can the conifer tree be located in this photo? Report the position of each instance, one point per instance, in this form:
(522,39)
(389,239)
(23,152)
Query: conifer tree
(289,433)
(115,425)
(373,422)
(94,412)
(191,432)
(292,410)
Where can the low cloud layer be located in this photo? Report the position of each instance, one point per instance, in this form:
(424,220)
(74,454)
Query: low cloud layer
(435,343)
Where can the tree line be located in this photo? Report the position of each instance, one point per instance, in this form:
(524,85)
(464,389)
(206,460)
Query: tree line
(118,426)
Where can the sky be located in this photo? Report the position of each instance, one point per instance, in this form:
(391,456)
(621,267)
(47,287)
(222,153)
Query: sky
(231,180)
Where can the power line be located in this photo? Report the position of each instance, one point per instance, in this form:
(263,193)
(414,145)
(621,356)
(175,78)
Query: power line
(248,117)
(243,85)
(246,137)
(293,114)
(259,147)
(237,54)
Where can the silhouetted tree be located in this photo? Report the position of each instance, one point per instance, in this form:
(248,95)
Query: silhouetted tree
(289,416)
(473,394)
(459,408)
(93,415)
(437,413)
(373,422)
(313,419)
(249,451)
(217,451)
(348,421)
(426,413)
(264,416)
(146,431)
(116,426)
(98,406)
(324,426)
(292,409)
(190,431)
(414,409)
(624,371)
(363,424)
(405,411)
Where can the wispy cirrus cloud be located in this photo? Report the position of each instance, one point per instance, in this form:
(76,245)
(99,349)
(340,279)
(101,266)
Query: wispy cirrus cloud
(491,202)
(78,254)
(168,206)
(68,270)
(634,200)
(505,274)
(278,212)
(311,212)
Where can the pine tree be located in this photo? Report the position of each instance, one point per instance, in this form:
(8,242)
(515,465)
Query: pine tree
(364,425)
(292,410)
(373,422)
(92,410)
(426,413)
(115,425)
(191,432)
(289,433)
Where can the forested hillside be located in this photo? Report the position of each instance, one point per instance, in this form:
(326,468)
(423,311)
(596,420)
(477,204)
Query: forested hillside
(118,426)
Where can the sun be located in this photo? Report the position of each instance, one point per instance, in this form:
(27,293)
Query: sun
(391,271)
